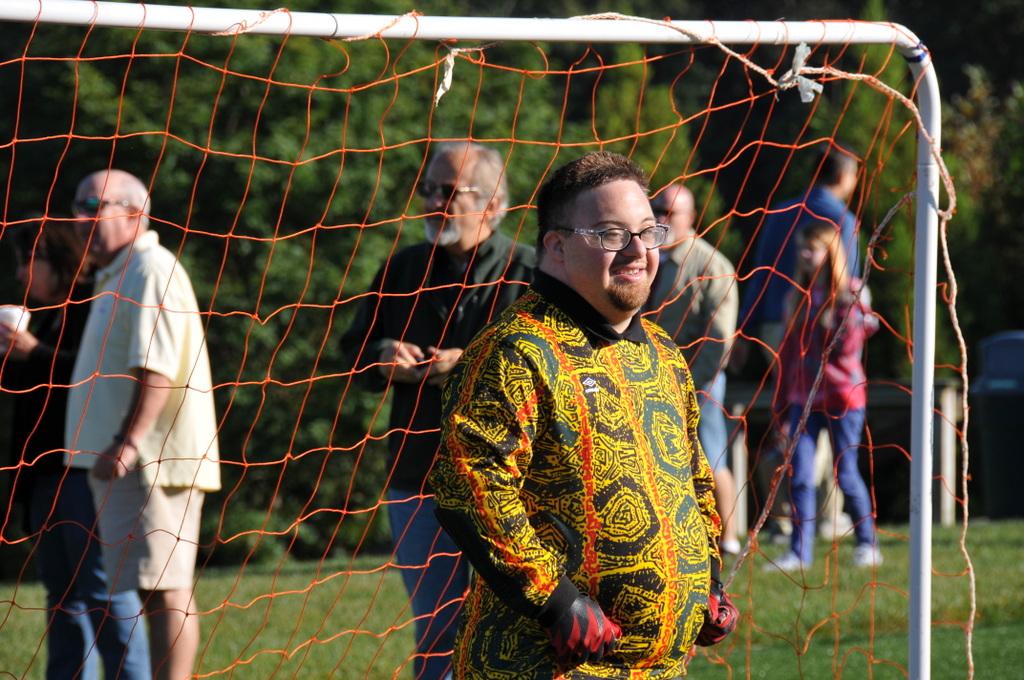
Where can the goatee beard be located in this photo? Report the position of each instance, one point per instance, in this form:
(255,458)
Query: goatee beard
(629,298)
(445,236)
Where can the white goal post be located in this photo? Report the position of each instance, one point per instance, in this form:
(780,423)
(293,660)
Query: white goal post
(595,30)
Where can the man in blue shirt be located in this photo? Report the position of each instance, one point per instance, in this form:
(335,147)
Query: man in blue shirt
(775,254)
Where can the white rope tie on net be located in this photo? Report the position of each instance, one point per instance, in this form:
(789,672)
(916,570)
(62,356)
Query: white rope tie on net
(244,26)
(449,69)
(446,77)
(413,14)
(807,87)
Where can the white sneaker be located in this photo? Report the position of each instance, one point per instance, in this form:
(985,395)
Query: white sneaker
(867,555)
(788,562)
(731,546)
(835,529)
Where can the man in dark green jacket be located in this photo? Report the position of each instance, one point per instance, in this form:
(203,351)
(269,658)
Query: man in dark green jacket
(426,304)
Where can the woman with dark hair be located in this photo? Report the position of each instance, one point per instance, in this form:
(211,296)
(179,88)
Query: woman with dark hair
(36,363)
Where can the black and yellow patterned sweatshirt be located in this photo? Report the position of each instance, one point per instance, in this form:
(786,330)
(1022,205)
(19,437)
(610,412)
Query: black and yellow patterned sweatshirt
(570,461)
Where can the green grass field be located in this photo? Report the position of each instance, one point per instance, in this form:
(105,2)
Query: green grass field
(348,618)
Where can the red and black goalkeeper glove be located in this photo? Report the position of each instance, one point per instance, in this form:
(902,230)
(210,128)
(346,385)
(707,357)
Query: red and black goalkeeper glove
(577,627)
(721,617)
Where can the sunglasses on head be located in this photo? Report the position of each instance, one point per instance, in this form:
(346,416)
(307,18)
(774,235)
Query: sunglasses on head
(90,205)
(428,189)
(659,208)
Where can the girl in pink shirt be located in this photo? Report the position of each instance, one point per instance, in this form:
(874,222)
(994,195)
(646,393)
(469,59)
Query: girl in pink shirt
(828,320)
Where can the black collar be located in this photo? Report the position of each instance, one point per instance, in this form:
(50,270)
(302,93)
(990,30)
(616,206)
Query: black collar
(583,313)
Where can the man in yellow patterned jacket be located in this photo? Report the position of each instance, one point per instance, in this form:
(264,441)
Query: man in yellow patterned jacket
(570,472)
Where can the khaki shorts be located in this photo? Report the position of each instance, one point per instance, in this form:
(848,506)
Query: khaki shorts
(149,535)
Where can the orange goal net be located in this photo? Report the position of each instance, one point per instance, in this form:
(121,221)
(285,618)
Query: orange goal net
(286,171)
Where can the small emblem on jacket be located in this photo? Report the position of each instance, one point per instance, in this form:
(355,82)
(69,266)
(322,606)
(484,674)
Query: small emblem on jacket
(591,386)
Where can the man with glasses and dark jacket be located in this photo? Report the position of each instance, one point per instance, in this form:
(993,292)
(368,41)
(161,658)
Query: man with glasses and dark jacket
(426,303)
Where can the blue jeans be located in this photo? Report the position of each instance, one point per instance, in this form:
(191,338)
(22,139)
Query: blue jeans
(84,617)
(845,431)
(436,583)
(712,430)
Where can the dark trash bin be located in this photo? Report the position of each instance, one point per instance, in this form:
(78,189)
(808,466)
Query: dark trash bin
(999,399)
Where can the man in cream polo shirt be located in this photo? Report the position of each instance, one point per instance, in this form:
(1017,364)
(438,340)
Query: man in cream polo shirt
(141,414)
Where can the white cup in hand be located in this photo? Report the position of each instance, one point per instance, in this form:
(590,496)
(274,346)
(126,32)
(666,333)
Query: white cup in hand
(15,316)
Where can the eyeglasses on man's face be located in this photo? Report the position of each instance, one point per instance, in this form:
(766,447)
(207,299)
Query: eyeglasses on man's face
(617,238)
(447,191)
(92,205)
